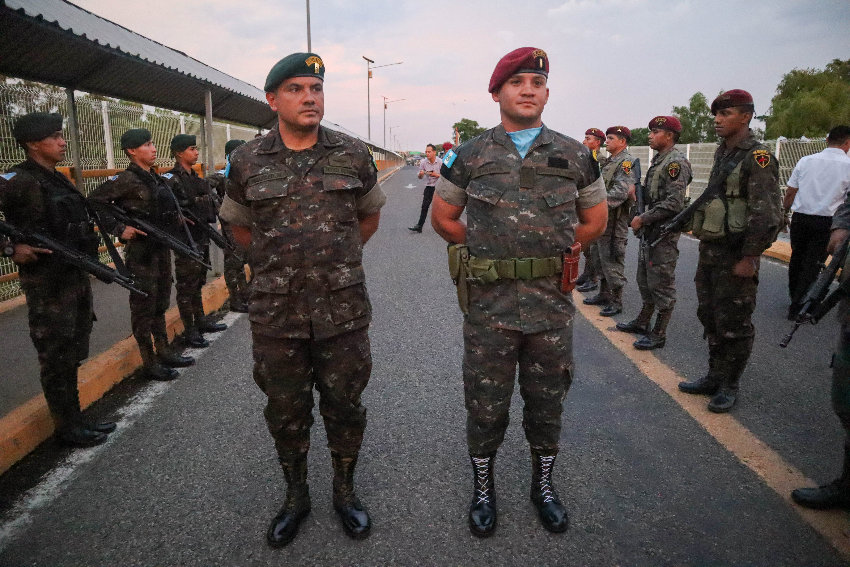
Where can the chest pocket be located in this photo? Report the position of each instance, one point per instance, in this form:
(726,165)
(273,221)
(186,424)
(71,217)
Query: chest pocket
(339,191)
(268,197)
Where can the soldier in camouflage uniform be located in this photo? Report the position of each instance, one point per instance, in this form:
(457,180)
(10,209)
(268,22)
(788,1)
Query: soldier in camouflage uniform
(141,192)
(234,261)
(664,196)
(529,194)
(836,494)
(35,197)
(305,199)
(734,230)
(194,195)
(589,278)
(610,250)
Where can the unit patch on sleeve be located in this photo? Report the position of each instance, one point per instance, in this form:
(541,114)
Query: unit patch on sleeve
(449,158)
(674,169)
(627,167)
(8,176)
(762,158)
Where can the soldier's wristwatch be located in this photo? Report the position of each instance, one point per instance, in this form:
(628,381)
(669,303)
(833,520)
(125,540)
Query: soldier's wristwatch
(9,250)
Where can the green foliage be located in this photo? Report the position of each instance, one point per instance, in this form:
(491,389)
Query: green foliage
(640,137)
(696,119)
(809,102)
(467,129)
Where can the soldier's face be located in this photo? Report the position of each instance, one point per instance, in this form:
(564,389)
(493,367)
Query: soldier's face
(299,103)
(731,121)
(51,148)
(592,142)
(660,139)
(522,98)
(614,143)
(144,155)
(189,156)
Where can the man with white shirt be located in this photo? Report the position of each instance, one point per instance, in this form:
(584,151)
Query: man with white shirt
(429,168)
(816,188)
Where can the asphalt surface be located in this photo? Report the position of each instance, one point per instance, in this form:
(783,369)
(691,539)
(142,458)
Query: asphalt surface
(191,476)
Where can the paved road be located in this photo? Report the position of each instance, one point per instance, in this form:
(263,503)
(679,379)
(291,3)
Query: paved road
(191,477)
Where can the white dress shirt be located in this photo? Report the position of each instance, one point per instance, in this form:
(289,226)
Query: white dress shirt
(822,181)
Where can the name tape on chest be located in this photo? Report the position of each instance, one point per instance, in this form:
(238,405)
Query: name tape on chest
(449,158)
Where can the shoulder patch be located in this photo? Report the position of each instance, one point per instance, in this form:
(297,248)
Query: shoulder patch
(167,175)
(449,158)
(674,169)
(627,166)
(8,176)
(762,158)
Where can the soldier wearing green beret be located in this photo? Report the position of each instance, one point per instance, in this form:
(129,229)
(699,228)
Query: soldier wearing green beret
(304,200)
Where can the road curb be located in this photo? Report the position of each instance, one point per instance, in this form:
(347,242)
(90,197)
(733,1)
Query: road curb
(26,427)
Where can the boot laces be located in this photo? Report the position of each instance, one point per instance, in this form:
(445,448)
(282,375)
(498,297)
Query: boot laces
(482,476)
(545,482)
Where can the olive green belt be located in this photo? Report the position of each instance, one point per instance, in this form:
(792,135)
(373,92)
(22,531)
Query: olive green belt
(514,268)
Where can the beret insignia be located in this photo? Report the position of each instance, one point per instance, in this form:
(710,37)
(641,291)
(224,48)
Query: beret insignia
(627,167)
(315,61)
(660,120)
(674,169)
(762,158)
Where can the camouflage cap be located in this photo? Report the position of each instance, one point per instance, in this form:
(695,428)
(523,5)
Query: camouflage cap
(135,137)
(621,131)
(232,145)
(670,123)
(295,65)
(595,132)
(36,126)
(182,141)
(522,60)
(734,97)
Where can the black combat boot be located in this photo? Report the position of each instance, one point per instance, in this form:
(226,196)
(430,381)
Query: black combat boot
(167,356)
(710,383)
(640,324)
(734,356)
(587,281)
(836,494)
(483,516)
(78,435)
(588,285)
(202,323)
(284,526)
(153,369)
(354,516)
(658,337)
(614,305)
(552,513)
(602,298)
(193,338)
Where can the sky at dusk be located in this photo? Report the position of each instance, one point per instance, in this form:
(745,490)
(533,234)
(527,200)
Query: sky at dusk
(611,61)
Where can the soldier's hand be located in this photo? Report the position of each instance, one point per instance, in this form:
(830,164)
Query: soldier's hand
(746,266)
(637,223)
(837,237)
(130,233)
(26,254)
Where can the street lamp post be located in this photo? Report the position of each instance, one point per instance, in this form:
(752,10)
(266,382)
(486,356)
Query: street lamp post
(386,102)
(368,92)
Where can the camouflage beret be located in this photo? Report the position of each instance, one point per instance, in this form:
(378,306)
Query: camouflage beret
(295,65)
(522,60)
(735,97)
(36,126)
(232,145)
(670,123)
(182,141)
(620,131)
(595,132)
(135,137)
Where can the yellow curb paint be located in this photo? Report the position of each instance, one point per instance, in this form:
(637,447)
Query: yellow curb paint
(27,426)
(779,475)
(10,304)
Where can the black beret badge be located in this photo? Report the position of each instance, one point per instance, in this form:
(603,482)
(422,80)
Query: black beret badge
(762,158)
(627,167)
(674,169)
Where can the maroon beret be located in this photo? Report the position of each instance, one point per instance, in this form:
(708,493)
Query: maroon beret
(595,132)
(735,97)
(522,60)
(620,131)
(666,123)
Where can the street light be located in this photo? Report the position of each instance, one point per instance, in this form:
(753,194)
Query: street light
(391,132)
(368,92)
(386,102)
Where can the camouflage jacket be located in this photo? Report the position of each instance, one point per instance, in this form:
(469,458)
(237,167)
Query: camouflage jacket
(302,208)
(520,208)
(756,179)
(618,176)
(193,193)
(667,179)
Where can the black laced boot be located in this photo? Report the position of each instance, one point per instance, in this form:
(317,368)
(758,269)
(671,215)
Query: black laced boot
(640,324)
(552,513)
(284,526)
(354,516)
(601,298)
(167,355)
(710,383)
(836,494)
(657,338)
(614,305)
(482,512)
(153,369)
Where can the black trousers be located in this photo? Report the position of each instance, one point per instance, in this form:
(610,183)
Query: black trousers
(809,237)
(427,196)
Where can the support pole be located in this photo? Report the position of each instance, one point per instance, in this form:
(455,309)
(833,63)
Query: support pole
(107,135)
(74,130)
(309,48)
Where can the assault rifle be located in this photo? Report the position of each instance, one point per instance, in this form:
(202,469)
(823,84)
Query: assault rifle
(818,301)
(156,233)
(641,204)
(70,256)
(218,238)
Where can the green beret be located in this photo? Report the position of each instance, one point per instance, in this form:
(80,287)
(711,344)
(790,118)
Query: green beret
(135,137)
(232,145)
(36,126)
(295,65)
(182,141)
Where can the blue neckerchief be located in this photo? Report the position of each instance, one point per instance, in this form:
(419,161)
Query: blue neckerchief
(524,138)
(227,167)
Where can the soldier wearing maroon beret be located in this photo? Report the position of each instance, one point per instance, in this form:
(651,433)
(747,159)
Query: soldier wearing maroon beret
(529,194)
(734,229)
(589,279)
(609,252)
(663,193)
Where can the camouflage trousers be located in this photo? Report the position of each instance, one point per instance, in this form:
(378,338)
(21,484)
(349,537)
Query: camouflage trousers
(60,319)
(287,370)
(490,361)
(609,251)
(726,305)
(656,273)
(189,279)
(150,267)
(841,378)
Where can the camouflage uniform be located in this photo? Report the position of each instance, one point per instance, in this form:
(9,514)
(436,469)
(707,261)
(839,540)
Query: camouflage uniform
(193,193)
(144,194)
(841,360)
(234,262)
(309,308)
(726,301)
(59,296)
(519,208)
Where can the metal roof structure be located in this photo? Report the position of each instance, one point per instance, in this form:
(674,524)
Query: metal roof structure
(56,42)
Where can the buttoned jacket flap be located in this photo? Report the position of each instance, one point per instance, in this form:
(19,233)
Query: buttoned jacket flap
(346,277)
(271,185)
(483,192)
